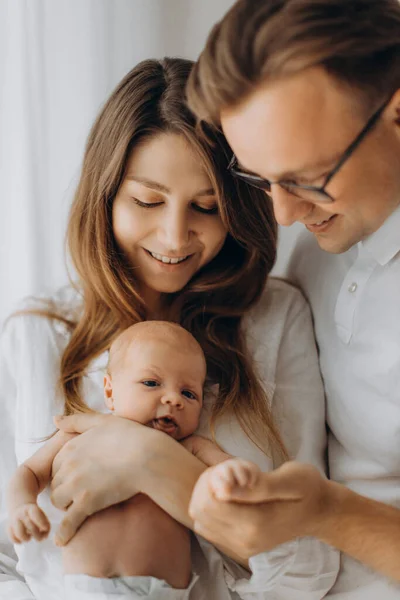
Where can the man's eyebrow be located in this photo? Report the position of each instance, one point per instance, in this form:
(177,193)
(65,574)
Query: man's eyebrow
(302,171)
(160,187)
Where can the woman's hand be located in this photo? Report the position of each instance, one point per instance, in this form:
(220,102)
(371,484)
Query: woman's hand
(97,469)
(290,502)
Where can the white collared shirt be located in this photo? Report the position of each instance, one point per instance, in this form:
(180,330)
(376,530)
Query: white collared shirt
(355,301)
(280,339)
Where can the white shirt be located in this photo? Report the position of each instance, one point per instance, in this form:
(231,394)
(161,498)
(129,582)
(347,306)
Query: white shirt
(280,337)
(355,301)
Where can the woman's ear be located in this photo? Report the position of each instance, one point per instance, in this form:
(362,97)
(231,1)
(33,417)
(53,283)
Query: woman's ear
(395,105)
(107,383)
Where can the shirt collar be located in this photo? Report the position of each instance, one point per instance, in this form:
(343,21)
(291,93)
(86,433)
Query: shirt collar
(384,243)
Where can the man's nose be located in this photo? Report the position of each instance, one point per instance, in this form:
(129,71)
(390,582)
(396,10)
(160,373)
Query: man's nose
(288,209)
(172,398)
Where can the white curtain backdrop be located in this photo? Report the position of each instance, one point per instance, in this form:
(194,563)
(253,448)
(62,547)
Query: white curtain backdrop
(59,59)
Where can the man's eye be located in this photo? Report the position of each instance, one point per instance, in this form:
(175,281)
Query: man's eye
(150,383)
(189,394)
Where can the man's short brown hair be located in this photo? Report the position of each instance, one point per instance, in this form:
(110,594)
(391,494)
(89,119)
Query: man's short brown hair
(357,41)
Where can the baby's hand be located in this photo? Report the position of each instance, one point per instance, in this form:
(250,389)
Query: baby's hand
(232,474)
(28,521)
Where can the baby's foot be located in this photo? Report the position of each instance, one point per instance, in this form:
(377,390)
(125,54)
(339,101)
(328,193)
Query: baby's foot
(232,476)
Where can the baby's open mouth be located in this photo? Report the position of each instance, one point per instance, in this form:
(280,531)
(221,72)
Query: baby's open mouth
(166,424)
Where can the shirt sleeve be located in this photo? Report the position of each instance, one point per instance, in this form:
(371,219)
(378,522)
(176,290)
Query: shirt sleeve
(304,568)
(30,349)
(11,583)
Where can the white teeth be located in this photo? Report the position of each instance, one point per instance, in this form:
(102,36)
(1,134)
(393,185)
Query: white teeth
(167,260)
(321,222)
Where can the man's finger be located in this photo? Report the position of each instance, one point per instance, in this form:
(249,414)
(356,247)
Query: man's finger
(285,483)
(79,423)
(73,519)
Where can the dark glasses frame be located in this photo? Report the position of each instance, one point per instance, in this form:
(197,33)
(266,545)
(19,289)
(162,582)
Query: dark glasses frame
(308,192)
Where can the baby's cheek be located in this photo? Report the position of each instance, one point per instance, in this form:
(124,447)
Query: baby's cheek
(133,413)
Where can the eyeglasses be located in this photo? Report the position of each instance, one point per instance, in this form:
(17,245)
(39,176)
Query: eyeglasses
(307,192)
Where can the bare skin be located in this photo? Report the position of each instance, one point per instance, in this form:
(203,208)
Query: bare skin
(135,537)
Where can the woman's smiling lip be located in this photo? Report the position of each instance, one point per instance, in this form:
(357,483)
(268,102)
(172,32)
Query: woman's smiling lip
(167,265)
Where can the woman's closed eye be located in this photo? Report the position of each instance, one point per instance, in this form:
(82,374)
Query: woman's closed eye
(147,204)
(213,210)
(206,211)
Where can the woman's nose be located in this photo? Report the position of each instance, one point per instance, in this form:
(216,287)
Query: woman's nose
(175,231)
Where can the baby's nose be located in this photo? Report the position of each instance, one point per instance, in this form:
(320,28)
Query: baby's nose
(173,399)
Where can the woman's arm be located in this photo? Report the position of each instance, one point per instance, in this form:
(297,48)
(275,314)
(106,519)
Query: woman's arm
(121,458)
(12,584)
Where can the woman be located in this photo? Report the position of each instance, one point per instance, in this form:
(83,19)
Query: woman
(159,230)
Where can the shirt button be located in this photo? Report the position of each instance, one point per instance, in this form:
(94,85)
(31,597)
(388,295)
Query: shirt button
(352,288)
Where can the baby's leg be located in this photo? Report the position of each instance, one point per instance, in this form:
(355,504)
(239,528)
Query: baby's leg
(135,538)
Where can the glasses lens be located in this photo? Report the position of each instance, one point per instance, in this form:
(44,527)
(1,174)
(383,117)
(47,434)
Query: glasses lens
(253,180)
(311,195)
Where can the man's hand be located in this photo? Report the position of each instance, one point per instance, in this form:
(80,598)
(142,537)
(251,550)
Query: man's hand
(26,522)
(97,469)
(284,504)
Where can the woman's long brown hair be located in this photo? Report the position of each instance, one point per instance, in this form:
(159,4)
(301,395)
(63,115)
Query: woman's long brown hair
(148,101)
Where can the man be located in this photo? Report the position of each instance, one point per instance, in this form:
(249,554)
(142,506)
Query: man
(308,95)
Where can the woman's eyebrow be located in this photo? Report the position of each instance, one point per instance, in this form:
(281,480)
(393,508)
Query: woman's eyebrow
(160,187)
(154,185)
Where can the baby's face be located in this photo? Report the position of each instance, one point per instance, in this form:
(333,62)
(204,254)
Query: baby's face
(160,385)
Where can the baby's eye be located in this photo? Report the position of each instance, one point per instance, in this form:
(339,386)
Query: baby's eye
(150,383)
(189,394)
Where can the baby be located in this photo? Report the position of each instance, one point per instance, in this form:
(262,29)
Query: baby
(155,376)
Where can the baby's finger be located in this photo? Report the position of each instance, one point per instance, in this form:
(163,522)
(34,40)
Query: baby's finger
(241,473)
(11,534)
(20,531)
(39,519)
(220,487)
(253,476)
(32,530)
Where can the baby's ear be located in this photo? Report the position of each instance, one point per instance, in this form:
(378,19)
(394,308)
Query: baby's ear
(107,383)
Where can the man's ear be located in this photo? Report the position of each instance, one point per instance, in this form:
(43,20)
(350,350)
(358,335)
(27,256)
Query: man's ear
(107,383)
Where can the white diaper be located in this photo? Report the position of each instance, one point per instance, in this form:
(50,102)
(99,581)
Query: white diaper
(84,587)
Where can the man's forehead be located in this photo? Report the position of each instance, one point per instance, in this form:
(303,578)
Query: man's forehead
(293,124)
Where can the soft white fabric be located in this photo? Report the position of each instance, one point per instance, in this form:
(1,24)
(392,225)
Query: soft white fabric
(84,587)
(281,340)
(355,300)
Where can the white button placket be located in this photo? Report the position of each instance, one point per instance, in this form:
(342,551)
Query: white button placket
(350,295)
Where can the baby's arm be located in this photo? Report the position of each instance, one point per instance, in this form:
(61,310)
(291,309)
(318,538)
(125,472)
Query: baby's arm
(229,473)
(26,519)
(205,450)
